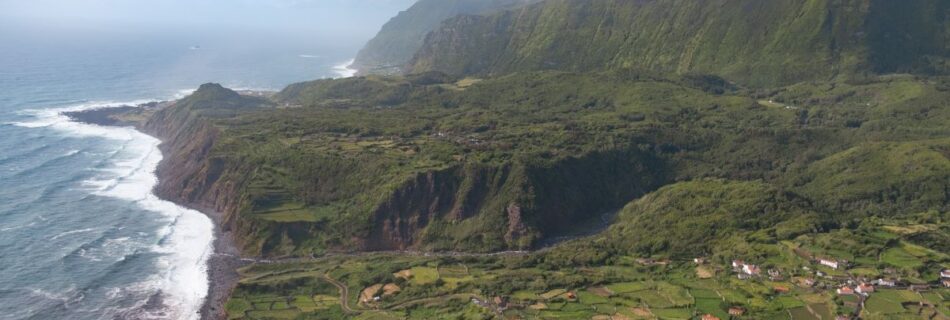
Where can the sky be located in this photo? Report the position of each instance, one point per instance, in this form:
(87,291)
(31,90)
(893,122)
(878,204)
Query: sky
(318,18)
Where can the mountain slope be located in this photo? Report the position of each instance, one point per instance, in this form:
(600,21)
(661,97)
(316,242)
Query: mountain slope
(762,43)
(402,36)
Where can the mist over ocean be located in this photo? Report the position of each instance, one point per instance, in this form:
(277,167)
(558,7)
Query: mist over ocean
(81,235)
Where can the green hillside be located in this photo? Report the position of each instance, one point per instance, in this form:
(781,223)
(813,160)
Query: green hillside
(401,37)
(433,162)
(760,43)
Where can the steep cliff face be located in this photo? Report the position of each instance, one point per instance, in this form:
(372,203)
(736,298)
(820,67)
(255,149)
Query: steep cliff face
(763,43)
(402,36)
(187,173)
(191,173)
(488,208)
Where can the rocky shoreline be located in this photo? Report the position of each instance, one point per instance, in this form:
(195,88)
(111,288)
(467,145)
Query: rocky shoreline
(226,259)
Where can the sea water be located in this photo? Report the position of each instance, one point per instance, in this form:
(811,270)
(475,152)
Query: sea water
(82,236)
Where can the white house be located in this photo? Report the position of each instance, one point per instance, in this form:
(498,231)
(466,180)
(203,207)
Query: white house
(945,274)
(829,263)
(885,282)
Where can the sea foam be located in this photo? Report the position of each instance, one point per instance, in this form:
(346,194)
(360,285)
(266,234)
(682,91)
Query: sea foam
(186,239)
(343,70)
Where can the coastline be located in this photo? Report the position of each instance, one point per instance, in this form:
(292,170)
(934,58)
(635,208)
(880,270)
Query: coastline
(225,259)
(222,269)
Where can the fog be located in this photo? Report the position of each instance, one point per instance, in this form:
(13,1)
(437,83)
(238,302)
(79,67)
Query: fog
(336,20)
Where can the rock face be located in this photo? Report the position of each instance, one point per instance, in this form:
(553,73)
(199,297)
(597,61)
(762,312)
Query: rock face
(511,207)
(402,36)
(761,43)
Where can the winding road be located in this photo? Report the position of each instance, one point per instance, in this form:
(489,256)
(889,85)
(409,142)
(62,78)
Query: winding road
(344,292)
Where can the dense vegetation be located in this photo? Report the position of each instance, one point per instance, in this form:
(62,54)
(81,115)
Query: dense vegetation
(390,51)
(760,43)
(437,163)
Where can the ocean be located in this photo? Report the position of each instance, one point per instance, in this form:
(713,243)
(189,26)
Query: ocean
(81,234)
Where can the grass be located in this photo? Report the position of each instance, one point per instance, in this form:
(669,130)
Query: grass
(552,294)
(711,306)
(236,308)
(525,295)
(651,298)
(704,294)
(801,313)
(627,287)
(424,275)
(677,295)
(453,271)
(590,298)
(823,310)
(790,302)
(273,314)
(577,314)
(288,212)
(911,229)
(677,313)
(901,258)
(885,302)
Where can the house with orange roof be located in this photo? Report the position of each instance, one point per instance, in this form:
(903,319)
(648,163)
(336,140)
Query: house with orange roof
(865,289)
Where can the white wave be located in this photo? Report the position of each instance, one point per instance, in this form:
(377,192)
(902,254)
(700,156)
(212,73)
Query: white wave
(71,153)
(188,235)
(17,227)
(184,93)
(343,70)
(308,56)
(71,232)
(63,297)
(55,119)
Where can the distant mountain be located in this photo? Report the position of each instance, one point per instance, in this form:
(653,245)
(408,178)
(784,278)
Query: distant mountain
(402,36)
(762,43)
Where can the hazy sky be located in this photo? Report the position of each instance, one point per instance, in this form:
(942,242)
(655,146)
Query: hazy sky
(346,18)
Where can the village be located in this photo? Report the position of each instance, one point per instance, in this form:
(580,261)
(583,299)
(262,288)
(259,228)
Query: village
(853,290)
(798,280)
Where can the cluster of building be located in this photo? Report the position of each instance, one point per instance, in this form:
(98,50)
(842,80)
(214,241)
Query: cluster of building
(845,285)
(496,304)
(864,289)
(745,270)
